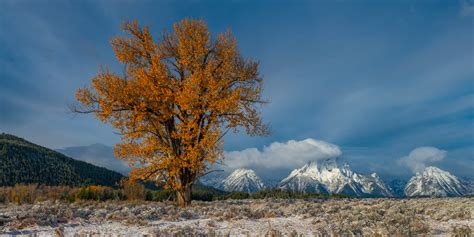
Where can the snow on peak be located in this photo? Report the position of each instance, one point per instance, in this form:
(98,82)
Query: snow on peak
(327,176)
(433,181)
(242,180)
(431,170)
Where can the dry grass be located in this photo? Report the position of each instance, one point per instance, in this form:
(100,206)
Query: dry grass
(271,217)
(32,193)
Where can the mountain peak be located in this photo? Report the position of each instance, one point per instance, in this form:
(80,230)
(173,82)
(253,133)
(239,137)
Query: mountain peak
(328,176)
(433,181)
(244,171)
(242,180)
(319,165)
(434,170)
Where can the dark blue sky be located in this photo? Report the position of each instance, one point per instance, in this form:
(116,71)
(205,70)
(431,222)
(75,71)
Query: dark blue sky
(376,78)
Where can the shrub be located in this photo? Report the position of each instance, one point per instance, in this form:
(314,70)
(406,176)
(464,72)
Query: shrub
(21,193)
(238,195)
(158,195)
(3,197)
(136,191)
(286,194)
(204,193)
(461,231)
(133,190)
(97,193)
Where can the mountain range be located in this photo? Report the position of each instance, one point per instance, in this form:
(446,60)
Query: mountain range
(24,162)
(330,177)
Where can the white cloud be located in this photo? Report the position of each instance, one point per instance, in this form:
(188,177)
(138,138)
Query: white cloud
(420,157)
(282,155)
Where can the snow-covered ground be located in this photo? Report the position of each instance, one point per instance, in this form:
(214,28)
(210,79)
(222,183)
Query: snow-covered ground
(429,216)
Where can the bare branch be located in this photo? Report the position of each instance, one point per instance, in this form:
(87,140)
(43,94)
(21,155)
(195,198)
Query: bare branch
(208,172)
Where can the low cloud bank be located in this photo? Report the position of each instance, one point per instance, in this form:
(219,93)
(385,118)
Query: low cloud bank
(287,155)
(99,155)
(421,157)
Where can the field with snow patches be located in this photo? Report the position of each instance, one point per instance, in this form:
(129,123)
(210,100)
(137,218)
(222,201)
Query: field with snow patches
(344,217)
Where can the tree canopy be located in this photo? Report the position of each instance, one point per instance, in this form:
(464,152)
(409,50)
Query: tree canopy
(175,100)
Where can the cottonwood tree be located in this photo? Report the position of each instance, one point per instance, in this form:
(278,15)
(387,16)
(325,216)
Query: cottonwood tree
(175,100)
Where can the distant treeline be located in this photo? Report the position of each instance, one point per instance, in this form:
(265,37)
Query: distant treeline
(129,191)
(281,194)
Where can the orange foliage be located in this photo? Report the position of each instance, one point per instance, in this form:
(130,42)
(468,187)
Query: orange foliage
(176,99)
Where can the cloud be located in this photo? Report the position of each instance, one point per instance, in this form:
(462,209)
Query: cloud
(420,157)
(97,154)
(376,91)
(290,154)
(467,8)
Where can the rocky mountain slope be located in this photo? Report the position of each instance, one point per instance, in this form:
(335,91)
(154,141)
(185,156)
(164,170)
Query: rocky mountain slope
(397,187)
(434,182)
(242,180)
(327,176)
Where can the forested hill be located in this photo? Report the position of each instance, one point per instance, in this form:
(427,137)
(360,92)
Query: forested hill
(24,162)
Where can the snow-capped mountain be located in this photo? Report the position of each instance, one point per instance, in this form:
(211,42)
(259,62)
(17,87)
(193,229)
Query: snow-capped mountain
(242,180)
(434,182)
(327,176)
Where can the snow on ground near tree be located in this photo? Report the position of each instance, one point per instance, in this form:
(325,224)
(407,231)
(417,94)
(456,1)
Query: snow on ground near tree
(429,216)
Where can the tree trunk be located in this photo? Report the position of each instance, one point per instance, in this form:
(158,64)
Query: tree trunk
(183,196)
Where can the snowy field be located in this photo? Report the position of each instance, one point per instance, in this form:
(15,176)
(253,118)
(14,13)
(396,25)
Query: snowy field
(342,217)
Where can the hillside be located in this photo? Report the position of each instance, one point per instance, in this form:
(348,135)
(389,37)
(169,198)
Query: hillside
(24,162)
